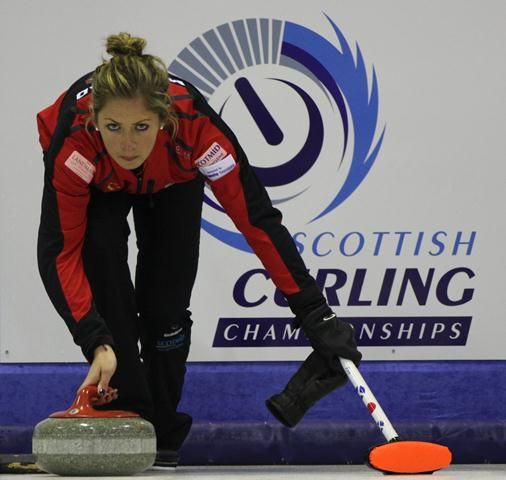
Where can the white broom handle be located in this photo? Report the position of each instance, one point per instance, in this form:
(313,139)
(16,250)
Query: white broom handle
(364,392)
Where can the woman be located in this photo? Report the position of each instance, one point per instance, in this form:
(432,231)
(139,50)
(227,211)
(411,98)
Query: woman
(130,136)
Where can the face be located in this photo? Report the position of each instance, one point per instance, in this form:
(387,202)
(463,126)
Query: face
(128,130)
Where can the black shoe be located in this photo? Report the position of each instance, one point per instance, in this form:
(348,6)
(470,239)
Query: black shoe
(169,444)
(166,458)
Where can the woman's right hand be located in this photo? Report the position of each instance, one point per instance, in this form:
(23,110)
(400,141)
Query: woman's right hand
(100,373)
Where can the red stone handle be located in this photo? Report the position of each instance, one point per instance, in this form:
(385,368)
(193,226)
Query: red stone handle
(83,407)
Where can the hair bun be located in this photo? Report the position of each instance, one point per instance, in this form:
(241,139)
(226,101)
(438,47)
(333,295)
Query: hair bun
(125,44)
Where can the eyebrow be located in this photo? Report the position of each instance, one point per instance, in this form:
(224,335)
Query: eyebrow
(135,123)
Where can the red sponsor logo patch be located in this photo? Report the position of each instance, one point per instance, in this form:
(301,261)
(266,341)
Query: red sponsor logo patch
(182,152)
(214,154)
(81,166)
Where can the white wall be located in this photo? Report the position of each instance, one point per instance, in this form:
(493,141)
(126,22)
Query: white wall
(440,69)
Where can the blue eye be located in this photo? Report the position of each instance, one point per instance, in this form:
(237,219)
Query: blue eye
(141,127)
(113,127)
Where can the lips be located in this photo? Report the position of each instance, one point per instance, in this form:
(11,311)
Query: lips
(128,159)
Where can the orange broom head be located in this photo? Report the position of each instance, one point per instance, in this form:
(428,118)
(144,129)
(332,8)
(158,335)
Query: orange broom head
(409,457)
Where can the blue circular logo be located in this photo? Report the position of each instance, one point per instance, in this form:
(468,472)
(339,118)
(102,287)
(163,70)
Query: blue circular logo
(300,99)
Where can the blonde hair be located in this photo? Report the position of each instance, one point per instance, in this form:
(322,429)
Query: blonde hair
(129,74)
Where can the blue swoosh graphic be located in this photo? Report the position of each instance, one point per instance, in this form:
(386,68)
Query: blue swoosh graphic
(342,74)
(344,77)
(232,239)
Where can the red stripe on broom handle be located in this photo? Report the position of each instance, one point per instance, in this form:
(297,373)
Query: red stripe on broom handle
(369,400)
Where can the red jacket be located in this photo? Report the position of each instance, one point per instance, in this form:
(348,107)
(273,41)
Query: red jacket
(76,161)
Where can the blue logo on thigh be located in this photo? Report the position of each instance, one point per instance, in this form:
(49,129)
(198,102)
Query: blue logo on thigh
(244,61)
(170,342)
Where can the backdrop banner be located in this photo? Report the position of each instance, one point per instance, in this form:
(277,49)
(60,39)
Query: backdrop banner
(377,128)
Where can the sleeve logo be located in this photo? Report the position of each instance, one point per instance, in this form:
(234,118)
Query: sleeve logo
(82,167)
(214,154)
(218,169)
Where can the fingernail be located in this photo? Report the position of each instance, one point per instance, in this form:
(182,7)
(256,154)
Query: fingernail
(100,391)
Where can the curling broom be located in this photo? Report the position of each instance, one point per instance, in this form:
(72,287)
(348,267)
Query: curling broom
(396,456)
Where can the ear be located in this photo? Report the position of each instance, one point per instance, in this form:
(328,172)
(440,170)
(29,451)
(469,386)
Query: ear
(94,118)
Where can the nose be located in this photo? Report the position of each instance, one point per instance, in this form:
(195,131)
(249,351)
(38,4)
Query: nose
(127,142)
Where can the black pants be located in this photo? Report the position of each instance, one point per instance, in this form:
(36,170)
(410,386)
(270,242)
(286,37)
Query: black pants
(155,311)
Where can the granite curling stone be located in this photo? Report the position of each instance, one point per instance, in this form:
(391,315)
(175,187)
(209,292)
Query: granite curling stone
(84,441)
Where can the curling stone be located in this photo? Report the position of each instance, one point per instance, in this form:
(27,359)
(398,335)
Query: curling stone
(84,441)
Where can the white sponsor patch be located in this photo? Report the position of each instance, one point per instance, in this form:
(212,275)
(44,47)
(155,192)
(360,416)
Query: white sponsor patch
(214,154)
(218,169)
(80,166)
